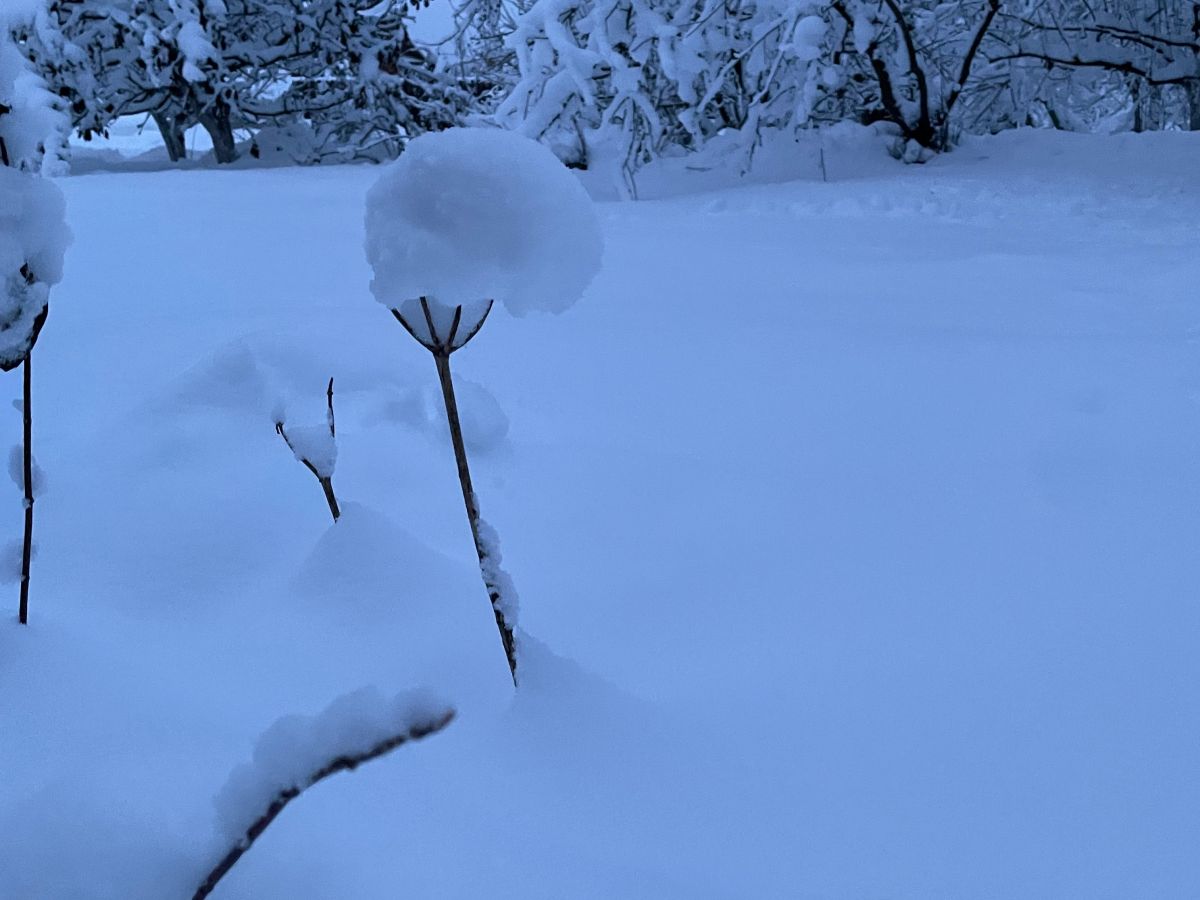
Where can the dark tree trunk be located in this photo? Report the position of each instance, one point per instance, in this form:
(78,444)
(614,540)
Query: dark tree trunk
(1193,95)
(216,121)
(172,133)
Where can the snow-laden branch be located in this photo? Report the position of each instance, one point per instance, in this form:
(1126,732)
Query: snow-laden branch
(298,752)
(315,447)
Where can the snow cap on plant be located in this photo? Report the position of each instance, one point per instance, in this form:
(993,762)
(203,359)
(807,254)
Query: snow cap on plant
(473,214)
(33,239)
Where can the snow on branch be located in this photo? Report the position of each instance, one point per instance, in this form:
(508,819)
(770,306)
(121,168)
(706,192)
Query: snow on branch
(297,752)
(315,446)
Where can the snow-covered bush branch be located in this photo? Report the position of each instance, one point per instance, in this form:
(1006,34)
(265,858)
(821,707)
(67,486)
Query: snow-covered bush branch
(1146,53)
(315,447)
(910,63)
(298,752)
(33,239)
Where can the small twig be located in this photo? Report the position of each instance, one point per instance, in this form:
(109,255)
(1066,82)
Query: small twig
(329,401)
(346,763)
(326,481)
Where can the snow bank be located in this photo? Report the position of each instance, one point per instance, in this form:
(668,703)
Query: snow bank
(295,748)
(468,214)
(369,564)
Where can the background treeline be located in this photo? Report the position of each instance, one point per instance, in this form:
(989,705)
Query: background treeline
(615,82)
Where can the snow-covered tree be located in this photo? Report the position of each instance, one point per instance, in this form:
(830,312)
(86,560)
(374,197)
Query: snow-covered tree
(342,77)
(352,84)
(621,82)
(1145,51)
(909,63)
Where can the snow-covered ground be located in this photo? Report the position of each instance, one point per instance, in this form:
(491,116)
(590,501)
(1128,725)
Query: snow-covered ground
(860,520)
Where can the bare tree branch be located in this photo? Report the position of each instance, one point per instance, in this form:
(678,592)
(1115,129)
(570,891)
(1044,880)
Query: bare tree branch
(973,50)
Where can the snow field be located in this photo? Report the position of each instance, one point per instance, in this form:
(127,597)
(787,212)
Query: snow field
(861,519)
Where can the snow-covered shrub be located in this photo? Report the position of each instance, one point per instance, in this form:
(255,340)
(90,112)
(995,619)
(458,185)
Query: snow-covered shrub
(465,218)
(619,82)
(909,63)
(1079,57)
(32,124)
(297,752)
(33,239)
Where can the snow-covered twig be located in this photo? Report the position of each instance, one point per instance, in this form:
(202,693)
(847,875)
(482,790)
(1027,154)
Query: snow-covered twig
(317,454)
(425,725)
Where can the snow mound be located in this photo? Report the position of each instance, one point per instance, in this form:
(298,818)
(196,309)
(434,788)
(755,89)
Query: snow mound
(473,213)
(366,561)
(295,748)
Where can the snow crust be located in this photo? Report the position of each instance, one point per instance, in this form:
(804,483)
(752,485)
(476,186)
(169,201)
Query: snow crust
(295,747)
(471,214)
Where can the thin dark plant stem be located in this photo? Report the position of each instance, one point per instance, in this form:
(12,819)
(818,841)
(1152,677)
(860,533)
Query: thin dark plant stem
(27,548)
(442,359)
(441,348)
(330,497)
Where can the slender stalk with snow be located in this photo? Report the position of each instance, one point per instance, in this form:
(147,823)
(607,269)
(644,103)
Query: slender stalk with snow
(316,448)
(467,214)
(441,345)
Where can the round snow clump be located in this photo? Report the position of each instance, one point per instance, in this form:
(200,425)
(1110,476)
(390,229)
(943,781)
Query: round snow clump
(33,238)
(475,214)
